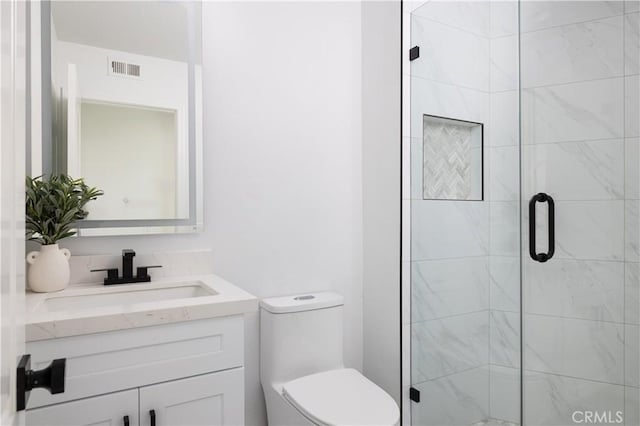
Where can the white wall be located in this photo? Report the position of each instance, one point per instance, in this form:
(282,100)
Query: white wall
(282,160)
(381,193)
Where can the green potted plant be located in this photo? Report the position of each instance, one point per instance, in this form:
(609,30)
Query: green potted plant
(53,206)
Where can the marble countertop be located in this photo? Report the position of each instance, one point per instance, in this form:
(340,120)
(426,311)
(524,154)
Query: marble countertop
(43,322)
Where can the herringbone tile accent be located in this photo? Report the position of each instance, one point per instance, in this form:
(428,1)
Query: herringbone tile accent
(447,160)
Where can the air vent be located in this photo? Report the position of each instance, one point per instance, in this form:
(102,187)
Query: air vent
(124,69)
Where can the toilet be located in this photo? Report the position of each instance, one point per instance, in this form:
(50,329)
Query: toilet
(302,371)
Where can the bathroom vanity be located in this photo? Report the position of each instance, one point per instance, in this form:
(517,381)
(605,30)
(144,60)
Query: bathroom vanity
(164,353)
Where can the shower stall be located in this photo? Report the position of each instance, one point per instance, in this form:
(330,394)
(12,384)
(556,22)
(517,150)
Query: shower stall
(521,212)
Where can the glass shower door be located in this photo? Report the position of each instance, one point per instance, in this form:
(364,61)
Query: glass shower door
(525,212)
(579,123)
(464,263)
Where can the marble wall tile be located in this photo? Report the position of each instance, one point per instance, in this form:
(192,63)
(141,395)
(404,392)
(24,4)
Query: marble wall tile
(449,345)
(577,348)
(575,289)
(407,168)
(503,17)
(448,287)
(462,60)
(537,15)
(406,355)
(504,119)
(410,6)
(504,343)
(632,230)
(504,393)
(591,170)
(632,355)
(632,43)
(444,100)
(406,231)
(632,106)
(446,229)
(504,63)
(504,228)
(632,293)
(406,405)
(417,172)
(582,111)
(504,173)
(589,230)
(406,292)
(504,284)
(458,399)
(406,95)
(631,406)
(572,53)
(471,16)
(550,400)
(632,168)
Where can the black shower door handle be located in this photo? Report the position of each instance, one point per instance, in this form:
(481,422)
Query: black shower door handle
(542,198)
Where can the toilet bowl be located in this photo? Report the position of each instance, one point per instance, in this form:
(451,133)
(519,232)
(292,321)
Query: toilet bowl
(302,371)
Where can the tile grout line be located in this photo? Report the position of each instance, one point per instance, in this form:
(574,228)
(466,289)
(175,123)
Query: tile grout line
(444,24)
(574,377)
(480,311)
(465,370)
(615,15)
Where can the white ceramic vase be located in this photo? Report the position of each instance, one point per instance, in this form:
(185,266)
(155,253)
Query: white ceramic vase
(48,269)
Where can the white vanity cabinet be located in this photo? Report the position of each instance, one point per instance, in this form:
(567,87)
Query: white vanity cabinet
(188,373)
(210,399)
(119,408)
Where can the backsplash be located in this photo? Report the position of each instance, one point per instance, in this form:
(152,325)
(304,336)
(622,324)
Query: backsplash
(178,263)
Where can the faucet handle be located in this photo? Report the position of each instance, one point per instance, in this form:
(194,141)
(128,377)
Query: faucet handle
(112,274)
(142,271)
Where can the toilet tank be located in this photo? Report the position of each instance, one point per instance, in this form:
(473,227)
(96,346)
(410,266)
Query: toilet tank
(300,335)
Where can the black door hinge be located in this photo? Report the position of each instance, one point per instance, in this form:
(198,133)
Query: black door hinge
(51,378)
(414,394)
(414,53)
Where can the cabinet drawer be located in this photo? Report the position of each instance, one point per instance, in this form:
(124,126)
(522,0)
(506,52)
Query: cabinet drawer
(107,362)
(100,410)
(207,400)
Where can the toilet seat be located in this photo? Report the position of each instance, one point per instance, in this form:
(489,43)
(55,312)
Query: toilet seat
(341,397)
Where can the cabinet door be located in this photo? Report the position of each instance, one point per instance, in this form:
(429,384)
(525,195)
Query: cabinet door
(207,400)
(105,410)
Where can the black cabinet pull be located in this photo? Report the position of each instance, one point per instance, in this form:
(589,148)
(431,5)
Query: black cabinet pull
(51,378)
(152,415)
(542,198)
(125,420)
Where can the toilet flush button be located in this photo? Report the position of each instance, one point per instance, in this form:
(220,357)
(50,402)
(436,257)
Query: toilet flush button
(307,297)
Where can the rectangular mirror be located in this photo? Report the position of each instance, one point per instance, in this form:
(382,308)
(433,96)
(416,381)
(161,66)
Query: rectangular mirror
(121,108)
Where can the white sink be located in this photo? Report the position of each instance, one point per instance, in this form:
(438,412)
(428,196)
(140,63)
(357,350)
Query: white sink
(127,295)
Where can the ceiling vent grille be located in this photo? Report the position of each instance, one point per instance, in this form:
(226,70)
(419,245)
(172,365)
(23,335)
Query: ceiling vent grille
(124,69)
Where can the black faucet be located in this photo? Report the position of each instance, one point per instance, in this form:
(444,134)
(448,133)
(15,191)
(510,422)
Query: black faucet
(142,275)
